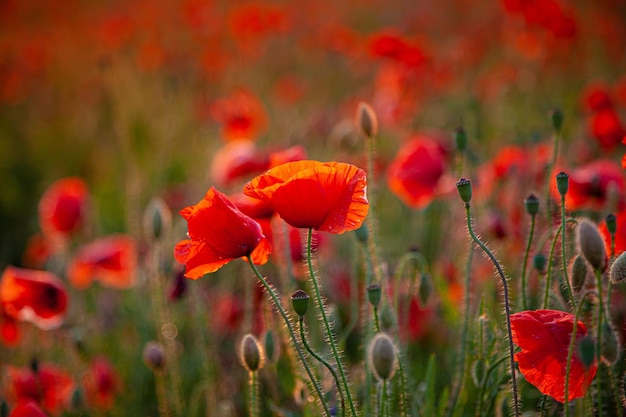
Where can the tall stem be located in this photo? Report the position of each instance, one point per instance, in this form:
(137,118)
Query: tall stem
(525,264)
(329,331)
(563,256)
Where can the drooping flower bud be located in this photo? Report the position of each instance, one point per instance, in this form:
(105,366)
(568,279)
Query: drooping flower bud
(251,353)
(425,288)
(366,119)
(300,302)
(154,356)
(556,117)
(271,347)
(562,183)
(157,219)
(374,295)
(382,357)
(579,274)
(460,138)
(618,269)
(464,187)
(532,204)
(592,245)
(611,346)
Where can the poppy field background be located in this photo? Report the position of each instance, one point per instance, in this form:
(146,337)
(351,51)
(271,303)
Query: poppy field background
(116,116)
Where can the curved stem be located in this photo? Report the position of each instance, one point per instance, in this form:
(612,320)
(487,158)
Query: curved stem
(507,307)
(563,257)
(324,362)
(525,264)
(329,332)
(283,313)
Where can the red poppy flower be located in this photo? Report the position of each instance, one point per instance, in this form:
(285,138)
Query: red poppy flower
(10,334)
(607,128)
(62,207)
(415,173)
(544,337)
(329,196)
(240,116)
(101,384)
(237,159)
(218,233)
(27,409)
(38,297)
(111,260)
(49,387)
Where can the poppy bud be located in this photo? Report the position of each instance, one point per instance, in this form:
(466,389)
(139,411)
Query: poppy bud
(532,204)
(157,219)
(374,294)
(464,187)
(388,318)
(539,262)
(425,288)
(556,117)
(592,245)
(154,356)
(460,137)
(562,183)
(251,353)
(366,119)
(300,302)
(586,351)
(271,348)
(362,233)
(618,270)
(579,274)
(478,371)
(611,223)
(382,357)
(610,344)
(77,401)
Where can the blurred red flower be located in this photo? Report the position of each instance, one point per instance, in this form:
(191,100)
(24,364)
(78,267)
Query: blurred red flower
(237,159)
(62,207)
(607,128)
(391,45)
(219,233)
(27,409)
(620,234)
(544,337)
(9,330)
(111,260)
(35,296)
(326,196)
(48,386)
(240,115)
(101,384)
(416,172)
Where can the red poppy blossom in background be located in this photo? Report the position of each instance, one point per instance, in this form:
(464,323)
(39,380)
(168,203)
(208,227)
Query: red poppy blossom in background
(237,159)
(240,116)
(219,233)
(62,207)
(544,337)
(607,128)
(111,260)
(27,409)
(326,196)
(620,234)
(38,297)
(101,384)
(415,173)
(10,333)
(50,387)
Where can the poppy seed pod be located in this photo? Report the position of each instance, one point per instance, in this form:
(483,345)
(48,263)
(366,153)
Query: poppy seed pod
(611,223)
(374,294)
(618,270)
(366,119)
(464,187)
(532,204)
(539,262)
(556,117)
(382,357)
(300,302)
(251,353)
(592,245)
(579,274)
(562,183)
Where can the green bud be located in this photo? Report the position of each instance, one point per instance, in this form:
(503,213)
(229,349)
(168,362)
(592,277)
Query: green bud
(374,294)
(300,302)
(592,245)
(539,262)
(157,219)
(460,137)
(366,119)
(611,223)
(562,183)
(425,288)
(382,357)
(532,204)
(271,348)
(557,119)
(362,233)
(478,371)
(586,351)
(251,353)
(464,187)
(610,344)
(579,274)
(618,269)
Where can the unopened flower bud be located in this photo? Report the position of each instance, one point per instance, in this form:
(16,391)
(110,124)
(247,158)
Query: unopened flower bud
(464,187)
(271,348)
(382,357)
(154,356)
(362,233)
(592,245)
(460,137)
(618,269)
(374,294)
(539,262)
(4,409)
(611,223)
(586,351)
(251,353)
(611,346)
(532,204)
(366,119)
(579,274)
(157,219)
(562,183)
(556,117)
(425,288)
(300,302)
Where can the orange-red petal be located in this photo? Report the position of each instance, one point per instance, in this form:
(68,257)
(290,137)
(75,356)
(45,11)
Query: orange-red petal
(62,206)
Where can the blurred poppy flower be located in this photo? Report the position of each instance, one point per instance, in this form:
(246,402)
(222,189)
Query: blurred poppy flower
(27,409)
(326,196)
(391,45)
(9,330)
(620,233)
(47,385)
(592,185)
(237,159)
(416,172)
(240,116)
(111,260)
(597,97)
(101,384)
(37,251)
(607,128)
(544,337)
(218,233)
(294,153)
(35,296)
(62,207)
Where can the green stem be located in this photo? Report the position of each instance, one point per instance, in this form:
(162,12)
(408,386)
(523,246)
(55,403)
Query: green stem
(283,313)
(570,353)
(376,322)
(383,398)
(525,263)
(329,332)
(507,307)
(599,338)
(324,362)
(549,268)
(254,394)
(479,406)
(563,256)
(549,169)
(372,242)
